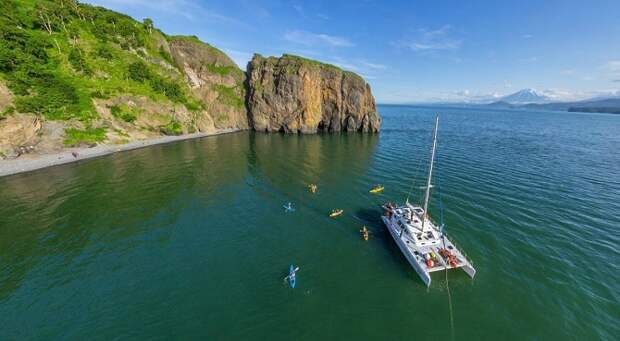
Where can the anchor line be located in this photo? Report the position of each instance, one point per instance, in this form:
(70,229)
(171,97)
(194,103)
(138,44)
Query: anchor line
(443,239)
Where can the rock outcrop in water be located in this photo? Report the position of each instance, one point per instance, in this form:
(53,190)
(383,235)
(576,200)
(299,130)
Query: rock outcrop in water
(293,94)
(112,80)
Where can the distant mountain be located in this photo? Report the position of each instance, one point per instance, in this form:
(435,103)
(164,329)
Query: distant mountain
(606,105)
(525,96)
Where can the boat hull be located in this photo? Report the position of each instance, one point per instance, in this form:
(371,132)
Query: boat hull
(425,276)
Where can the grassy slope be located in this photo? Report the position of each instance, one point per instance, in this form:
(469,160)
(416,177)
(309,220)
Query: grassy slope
(88,54)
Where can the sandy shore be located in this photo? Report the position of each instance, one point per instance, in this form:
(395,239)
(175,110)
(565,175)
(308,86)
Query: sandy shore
(30,162)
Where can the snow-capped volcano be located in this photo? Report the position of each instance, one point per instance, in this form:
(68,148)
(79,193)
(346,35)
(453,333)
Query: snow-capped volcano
(526,96)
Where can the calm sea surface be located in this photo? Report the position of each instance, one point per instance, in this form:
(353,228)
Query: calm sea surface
(190,241)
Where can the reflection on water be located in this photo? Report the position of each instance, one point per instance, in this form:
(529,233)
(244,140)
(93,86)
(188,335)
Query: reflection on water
(58,212)
(190,240)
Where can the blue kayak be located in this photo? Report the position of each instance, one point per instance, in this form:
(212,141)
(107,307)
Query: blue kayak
(291,276)
(288,208)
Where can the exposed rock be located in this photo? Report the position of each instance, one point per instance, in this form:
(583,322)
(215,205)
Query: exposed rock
(150,116)
(293,94)
(51,136)
(215,79)
(18,133)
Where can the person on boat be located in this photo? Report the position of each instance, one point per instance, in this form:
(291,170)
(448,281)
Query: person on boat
(364,232)
(291,276)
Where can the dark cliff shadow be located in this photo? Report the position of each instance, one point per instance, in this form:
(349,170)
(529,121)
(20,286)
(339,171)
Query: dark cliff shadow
(246,85)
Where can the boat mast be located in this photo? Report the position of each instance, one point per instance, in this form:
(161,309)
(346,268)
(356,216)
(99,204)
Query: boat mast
(430,174)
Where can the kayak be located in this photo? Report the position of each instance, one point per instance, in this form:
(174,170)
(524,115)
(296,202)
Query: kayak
(377,189)
(291,276)
(288,208)
(335,213)
(312,188)
(364,232)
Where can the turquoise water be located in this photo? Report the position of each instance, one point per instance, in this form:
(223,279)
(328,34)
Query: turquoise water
(190,241)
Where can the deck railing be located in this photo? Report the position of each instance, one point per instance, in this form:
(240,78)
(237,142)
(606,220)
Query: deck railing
(461,250)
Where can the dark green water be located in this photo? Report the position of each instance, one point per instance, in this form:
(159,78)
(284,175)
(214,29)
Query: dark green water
(190,241)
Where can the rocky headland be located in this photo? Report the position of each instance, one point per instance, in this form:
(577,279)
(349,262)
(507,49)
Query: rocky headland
(76,76)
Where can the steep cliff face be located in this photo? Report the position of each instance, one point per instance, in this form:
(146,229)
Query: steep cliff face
(111,80)
(296,95)
(214,79)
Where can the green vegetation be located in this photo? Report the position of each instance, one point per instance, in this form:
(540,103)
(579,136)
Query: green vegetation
(125,113)
(78,62)
(140,72)
(165,55)
(57,55)
(6,112)
(191,38)
(221,70)
(310,61)
(228,95)
(76,137)
(103,52)
(172,128)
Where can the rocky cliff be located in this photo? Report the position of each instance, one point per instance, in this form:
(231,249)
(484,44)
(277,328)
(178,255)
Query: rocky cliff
(293,94)
(214,79)
(73,74)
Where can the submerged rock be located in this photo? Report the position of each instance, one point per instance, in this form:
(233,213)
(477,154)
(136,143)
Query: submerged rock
(297,95)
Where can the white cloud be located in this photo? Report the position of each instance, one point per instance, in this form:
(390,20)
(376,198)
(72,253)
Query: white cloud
(364,68)
(189,9)
(431,40)
(612,67)
(567,72)
(322,16)
(465,96)
(344,64)
(241,58)
(529,60)
(526,36)
(481,97)
(312,39)
(374,66)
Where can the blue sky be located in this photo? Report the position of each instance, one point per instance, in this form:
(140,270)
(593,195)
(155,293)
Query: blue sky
(417,51)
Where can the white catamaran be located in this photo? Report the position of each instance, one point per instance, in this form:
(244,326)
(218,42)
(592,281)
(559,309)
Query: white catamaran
(422,242)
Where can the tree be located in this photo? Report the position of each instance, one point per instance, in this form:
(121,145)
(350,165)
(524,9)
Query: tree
(148,24)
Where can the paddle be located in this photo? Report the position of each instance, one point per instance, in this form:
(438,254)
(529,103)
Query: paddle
(294,271)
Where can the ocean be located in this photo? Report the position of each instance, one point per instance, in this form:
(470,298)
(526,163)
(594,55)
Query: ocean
(190,240)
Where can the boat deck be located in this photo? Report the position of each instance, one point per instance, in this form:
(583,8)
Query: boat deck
(440,262)
(405,224)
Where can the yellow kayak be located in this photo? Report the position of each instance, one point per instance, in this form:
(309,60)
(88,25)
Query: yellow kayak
(377,189)
(312,188)
(364,232)
(335,213)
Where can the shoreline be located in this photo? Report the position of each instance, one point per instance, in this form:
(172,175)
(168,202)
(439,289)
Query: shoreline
(30,163)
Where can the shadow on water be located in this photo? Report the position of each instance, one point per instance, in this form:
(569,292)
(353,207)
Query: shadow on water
(189,240)
(51,216)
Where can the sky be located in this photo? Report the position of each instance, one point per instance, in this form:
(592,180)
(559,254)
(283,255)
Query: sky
(417,51)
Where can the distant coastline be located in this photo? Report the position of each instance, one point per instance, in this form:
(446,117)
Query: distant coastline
(551,107)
